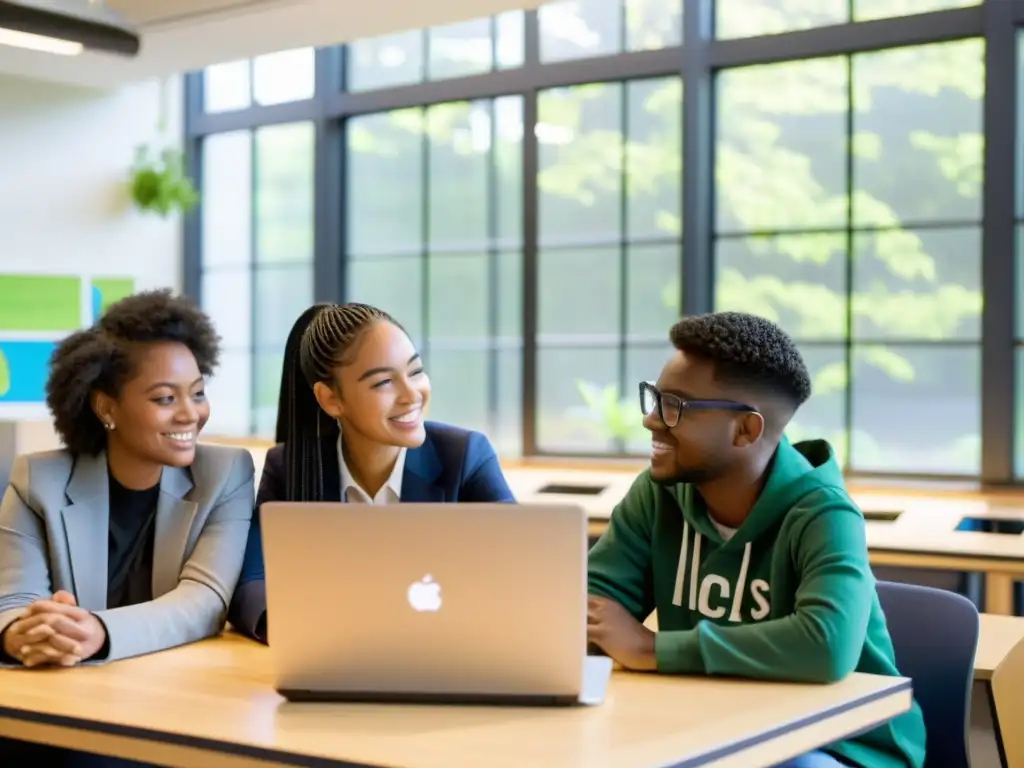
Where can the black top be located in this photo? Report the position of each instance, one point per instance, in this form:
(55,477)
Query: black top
(130,548)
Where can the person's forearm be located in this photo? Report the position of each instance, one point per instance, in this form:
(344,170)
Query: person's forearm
(249,610)
(781,649)
(188,613)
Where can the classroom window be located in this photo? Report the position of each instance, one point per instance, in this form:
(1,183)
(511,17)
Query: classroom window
(274,78)
(750,18)
(454,50)
(435,207)
(257,273)
(835,187)
(855,223)
(609,257)
(580,29)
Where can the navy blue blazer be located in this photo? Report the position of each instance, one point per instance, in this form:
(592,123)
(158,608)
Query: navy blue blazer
(452,465)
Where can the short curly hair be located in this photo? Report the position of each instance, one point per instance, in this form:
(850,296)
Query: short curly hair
(746,350)
(100,359)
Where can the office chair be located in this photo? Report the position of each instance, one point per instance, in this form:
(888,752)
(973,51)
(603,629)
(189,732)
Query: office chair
(934,635)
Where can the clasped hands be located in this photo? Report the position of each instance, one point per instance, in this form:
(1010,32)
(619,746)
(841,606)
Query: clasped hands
(614,630)
(54,632)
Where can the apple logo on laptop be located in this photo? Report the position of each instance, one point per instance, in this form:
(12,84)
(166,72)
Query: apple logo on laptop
(425,595)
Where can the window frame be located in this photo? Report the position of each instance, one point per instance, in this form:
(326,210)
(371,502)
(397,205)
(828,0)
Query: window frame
(697,61)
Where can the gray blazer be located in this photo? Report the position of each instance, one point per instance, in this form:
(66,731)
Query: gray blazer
(54,529)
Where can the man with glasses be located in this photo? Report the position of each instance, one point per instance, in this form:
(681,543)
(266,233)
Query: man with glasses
(748,546)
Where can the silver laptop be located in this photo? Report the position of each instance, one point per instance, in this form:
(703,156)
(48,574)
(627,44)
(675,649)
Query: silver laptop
(467,603)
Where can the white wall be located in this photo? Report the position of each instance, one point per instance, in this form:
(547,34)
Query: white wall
(65,153)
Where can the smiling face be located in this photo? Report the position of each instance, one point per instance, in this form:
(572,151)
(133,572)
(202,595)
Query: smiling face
(382,392)
(706,442)
(161,408)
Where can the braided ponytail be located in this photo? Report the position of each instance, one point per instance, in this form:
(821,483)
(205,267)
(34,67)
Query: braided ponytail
(328,338)
(292,381)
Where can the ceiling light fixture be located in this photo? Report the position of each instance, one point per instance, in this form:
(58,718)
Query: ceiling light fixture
(40,43)
(65,27)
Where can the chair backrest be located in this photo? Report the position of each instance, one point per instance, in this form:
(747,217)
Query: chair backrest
(935,634)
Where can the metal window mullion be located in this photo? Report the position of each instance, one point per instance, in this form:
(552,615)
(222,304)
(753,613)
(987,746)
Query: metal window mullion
(998,243)
(493,275)
(530,165)
(623,345)
(697,268)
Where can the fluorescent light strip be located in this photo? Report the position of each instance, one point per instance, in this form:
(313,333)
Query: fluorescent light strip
(39,42)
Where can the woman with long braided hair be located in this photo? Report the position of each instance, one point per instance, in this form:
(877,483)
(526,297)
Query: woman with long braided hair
(351,427)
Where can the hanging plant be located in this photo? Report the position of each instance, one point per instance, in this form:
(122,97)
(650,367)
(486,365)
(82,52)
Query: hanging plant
(158,182)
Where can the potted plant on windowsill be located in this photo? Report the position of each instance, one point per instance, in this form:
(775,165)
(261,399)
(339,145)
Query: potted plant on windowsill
(158,182)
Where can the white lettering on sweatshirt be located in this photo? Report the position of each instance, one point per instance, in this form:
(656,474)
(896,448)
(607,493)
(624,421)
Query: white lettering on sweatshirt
(713,595)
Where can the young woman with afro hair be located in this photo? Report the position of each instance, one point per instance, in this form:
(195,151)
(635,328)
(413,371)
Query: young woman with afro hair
(130,539)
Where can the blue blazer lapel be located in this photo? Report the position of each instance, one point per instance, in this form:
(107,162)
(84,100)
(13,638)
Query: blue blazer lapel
(422,469)
(329,465)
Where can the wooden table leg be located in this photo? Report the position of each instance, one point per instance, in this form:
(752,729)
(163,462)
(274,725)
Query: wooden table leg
(996,732)
(999,593)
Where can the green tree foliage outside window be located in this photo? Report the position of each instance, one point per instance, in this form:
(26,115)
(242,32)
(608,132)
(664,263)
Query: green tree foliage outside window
(904,287)
(782,246)
(879,267)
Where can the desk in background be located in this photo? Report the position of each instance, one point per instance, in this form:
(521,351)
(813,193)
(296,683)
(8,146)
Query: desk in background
(212,704)
(998,636)
(909,530)
(1000,641)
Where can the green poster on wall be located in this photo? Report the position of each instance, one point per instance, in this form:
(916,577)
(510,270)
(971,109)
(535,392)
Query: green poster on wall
(107,291)
(40,303)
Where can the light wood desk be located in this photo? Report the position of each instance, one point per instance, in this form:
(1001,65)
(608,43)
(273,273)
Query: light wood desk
(998,636)
(999,663)
(211,704)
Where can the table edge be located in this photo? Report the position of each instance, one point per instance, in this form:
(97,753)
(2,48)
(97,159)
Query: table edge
(1012,562)
(900,685)
(272,754)
(157,737)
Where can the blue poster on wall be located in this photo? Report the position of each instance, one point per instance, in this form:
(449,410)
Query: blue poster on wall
(23,369)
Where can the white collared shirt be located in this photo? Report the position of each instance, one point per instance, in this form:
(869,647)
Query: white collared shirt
(389,493)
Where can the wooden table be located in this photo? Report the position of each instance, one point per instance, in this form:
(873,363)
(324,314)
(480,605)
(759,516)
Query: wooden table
(212,704)
(997,637)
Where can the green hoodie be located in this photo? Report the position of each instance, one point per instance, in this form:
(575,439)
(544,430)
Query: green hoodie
(789,597)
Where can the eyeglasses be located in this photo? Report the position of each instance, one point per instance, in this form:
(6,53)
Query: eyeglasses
(670,407)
